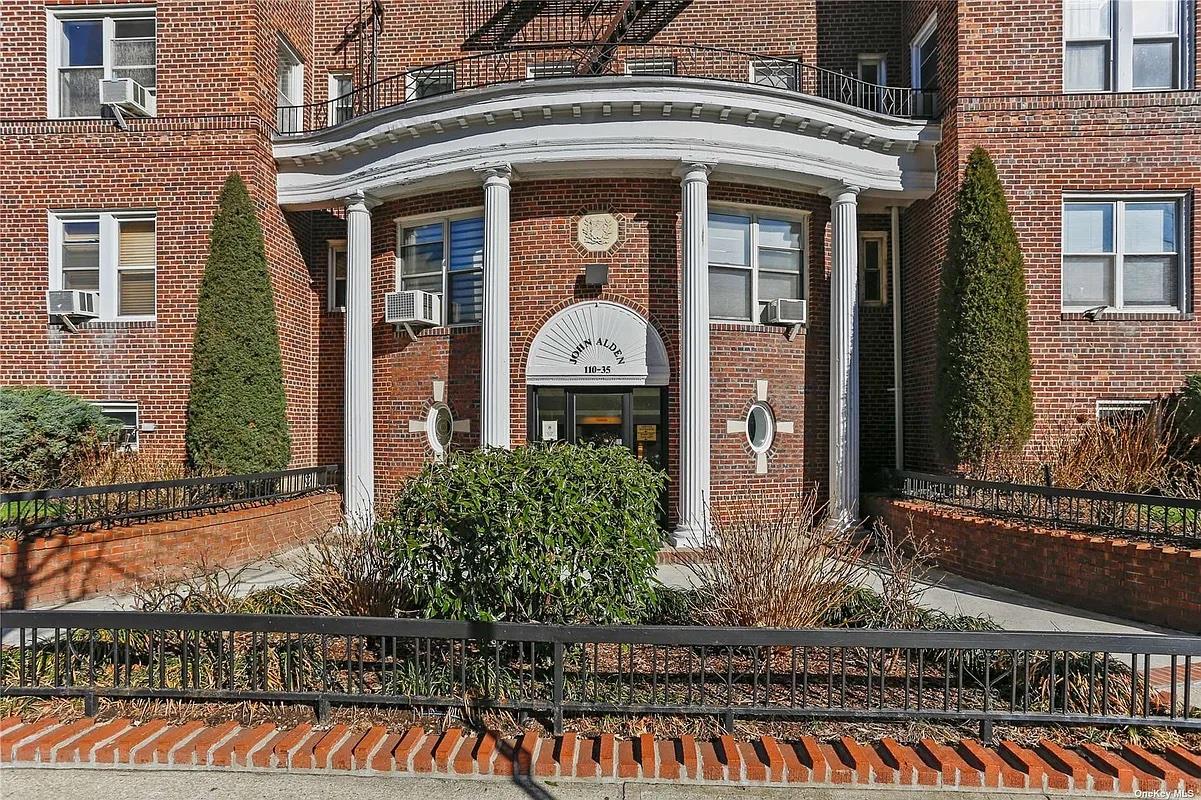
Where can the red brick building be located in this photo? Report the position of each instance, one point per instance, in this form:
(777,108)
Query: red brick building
(681,225)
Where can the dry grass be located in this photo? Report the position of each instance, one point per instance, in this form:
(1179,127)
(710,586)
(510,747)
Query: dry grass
(347,571)
(111,466)
(776,568)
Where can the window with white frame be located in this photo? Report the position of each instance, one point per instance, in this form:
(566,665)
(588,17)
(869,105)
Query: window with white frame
(429,82)
(289,86)
(1118,411)
(336,275)
(88,46)
(651,66)
(780,73)
(446,257)
(753,259)
(873,268)
(1125,45)
(923,57)
(551,69)
(1125,253)
(873,69)
(126,415)
(341,98)
(112,253)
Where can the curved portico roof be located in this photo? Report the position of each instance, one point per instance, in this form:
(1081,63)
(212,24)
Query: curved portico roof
(610,125)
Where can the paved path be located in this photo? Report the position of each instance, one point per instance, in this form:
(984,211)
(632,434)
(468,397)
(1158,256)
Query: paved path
(97,784)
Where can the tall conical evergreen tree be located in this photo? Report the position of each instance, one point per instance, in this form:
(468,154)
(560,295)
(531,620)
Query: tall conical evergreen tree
(237,420)
(986,402)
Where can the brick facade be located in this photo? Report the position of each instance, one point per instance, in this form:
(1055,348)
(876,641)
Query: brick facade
(1125,579)
(1000,76)
(55,569)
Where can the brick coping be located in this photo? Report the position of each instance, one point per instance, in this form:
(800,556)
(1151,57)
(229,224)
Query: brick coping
(1047,768)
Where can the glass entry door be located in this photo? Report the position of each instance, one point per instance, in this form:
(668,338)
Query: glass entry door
(627,417)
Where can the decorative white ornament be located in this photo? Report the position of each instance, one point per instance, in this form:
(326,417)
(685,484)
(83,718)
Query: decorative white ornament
(740,426)
(439,424)
(598,233)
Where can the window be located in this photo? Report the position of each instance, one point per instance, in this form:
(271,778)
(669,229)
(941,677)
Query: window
(289,87)
(109,253)
(1124,45)
(923,57)
(1121,411)
(341,98)
(446,257)
(429,82)
(753,260)
(780,73)
(872,69)
(553,69)
(125,415)
(873,269)
(651,66)
(88,47)
(336,281)
(760,428)
(1124,253)
(439,427)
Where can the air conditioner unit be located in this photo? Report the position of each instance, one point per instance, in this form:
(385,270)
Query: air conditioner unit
(413,308)
(72,303)
(127,95)
(785,312)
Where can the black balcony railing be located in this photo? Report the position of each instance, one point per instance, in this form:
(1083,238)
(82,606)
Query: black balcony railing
(561,670)
(83,508)
(688,61)
(1174,520)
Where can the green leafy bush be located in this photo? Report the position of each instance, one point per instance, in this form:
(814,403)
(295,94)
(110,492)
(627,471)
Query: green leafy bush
(44,436)
(986,399)
(540,533)
(237,411)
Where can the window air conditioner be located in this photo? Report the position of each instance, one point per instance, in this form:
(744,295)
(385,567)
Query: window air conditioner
(413,308)
(785,312)
(72,303)
(128,95)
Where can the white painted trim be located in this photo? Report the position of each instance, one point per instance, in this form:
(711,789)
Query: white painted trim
(898,362)
(1121,404)
(566,347)
(879,59)
(107,407)
(108,14)
(928,29)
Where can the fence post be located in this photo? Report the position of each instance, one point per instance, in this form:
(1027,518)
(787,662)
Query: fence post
(321,709)
(986,731)
(557,689)
(89,704)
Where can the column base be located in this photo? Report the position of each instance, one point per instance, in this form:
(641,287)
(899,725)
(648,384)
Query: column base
(689,535)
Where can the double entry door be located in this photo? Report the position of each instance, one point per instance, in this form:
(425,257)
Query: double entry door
(633,417)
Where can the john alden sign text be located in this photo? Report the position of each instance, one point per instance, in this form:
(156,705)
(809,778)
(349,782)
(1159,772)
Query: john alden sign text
(597,342)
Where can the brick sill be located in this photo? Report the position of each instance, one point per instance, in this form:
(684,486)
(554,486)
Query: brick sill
(109,325)
(1129,316)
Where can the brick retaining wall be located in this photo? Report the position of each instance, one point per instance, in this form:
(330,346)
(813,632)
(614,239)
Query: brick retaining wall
(70,567)
(1129,579)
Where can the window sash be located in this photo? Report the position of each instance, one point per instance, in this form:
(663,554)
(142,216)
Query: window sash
(1120,281)
(60,87)
(336,284)
(124,275)
(1121,42)
(449,278)
(754,303)
(126,415)
(873,273)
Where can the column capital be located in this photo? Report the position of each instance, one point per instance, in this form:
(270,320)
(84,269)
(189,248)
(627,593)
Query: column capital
(690,171)
(361,201)
(842,192)
(496,173)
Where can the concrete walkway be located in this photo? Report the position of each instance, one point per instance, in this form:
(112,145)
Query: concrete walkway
(98,784)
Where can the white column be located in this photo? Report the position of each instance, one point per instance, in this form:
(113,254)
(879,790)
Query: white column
(359,469)
(494,378)
(694,357)
(844,354)
(898,374)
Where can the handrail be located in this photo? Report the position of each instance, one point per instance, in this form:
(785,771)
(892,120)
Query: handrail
(522,64)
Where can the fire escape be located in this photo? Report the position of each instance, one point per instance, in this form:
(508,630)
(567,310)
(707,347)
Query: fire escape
(591,30)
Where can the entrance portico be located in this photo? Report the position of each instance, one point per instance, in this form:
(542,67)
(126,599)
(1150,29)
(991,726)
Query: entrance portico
(749,136)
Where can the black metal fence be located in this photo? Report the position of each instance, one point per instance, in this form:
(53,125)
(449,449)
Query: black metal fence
(536,63)
(554,670)
(85,507)
(1170,519)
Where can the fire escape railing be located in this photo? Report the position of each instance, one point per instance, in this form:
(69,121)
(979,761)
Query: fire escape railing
(535,63)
